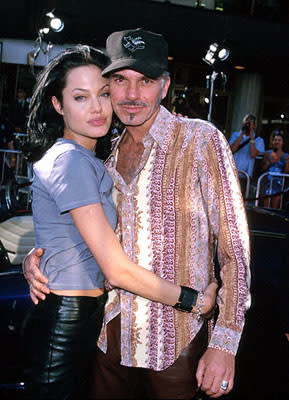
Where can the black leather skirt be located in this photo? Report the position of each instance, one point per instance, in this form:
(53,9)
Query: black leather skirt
(59,341)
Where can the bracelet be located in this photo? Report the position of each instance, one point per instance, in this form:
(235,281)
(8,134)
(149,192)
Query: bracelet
(187,299)
(200,305)
(252,141)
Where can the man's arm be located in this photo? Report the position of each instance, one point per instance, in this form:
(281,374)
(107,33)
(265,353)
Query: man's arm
(234,144)
(227,216)
(253,149)
(36,280)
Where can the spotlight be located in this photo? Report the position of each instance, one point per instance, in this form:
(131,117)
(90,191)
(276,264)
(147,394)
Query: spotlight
(216,53)
(223,54)
(210,57)
(51,23)
(55,23)
(43,31)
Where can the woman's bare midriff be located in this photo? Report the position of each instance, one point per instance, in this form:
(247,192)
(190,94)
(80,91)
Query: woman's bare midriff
(88,293)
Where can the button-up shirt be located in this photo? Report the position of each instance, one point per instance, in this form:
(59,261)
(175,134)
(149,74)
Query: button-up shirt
(182,206)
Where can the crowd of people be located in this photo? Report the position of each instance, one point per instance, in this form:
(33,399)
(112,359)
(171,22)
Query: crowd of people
(246,146)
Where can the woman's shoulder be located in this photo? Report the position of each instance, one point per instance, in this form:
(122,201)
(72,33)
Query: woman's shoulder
(67,156)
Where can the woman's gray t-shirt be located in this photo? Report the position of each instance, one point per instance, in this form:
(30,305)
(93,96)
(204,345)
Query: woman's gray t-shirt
(68,176)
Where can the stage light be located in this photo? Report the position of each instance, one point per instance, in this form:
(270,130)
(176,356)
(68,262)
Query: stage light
(43,31)
(216,53)
(52,23)
(223,54)
(55,23)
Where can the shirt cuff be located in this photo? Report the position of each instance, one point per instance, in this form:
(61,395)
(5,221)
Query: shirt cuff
(225,339)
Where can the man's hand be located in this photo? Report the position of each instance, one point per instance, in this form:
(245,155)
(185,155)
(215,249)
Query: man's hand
(251,132)
(209,301)
(36,280)
(214,367)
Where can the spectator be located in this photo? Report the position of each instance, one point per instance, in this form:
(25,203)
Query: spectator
(246,146)
(275,160)
(18,111)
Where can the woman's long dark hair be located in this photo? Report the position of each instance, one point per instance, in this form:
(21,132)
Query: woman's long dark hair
(45,125)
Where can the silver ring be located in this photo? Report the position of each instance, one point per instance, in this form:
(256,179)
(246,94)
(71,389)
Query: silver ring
(224,385)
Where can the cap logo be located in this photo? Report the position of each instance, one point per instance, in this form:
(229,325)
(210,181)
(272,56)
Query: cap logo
(133,43)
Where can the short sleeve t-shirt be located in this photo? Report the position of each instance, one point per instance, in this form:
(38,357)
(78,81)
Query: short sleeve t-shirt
(68,176)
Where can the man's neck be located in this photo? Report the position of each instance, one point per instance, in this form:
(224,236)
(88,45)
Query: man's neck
(136,133)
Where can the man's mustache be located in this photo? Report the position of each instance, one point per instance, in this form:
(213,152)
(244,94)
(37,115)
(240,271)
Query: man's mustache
(132,103)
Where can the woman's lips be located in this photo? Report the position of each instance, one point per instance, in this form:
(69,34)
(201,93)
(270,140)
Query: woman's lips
(97,122)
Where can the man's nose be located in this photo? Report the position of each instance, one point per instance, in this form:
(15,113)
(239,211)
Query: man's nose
(132,91)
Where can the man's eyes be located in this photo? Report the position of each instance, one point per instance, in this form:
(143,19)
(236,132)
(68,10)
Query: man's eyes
(118,79)
(147,80)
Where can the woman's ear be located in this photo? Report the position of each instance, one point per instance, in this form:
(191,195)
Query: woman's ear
(56,104)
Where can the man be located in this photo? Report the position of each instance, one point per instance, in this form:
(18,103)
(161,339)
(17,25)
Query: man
(18,111)
(246,146)
(177,196)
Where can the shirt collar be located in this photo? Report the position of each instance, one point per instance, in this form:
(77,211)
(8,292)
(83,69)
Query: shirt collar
(160,126)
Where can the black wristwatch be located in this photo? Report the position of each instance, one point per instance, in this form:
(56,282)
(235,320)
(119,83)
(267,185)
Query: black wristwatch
(187,300)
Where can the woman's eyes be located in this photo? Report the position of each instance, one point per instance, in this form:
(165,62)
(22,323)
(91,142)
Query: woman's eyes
(78,98)
(83,98)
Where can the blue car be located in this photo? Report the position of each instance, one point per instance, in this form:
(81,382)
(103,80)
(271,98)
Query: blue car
(16,238)
(259,358)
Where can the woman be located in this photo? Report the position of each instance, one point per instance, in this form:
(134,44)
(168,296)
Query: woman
(74,221)
(275,161)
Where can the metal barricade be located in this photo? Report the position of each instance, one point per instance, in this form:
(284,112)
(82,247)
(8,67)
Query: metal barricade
(247,187)
(273,174)
(22,172)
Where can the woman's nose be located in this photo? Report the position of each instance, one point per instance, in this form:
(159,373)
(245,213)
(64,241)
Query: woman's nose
(96,104)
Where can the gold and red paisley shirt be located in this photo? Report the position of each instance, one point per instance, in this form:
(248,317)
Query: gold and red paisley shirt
(184,200)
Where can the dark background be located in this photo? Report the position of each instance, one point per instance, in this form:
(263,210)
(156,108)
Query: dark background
(257,33)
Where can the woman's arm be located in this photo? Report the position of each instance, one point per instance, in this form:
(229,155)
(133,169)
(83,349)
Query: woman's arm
(119,270)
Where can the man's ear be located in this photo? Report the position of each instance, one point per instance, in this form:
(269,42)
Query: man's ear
(166,87)
(56,104)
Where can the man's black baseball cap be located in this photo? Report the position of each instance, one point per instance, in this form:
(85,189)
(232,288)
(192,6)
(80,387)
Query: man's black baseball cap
(143,51)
